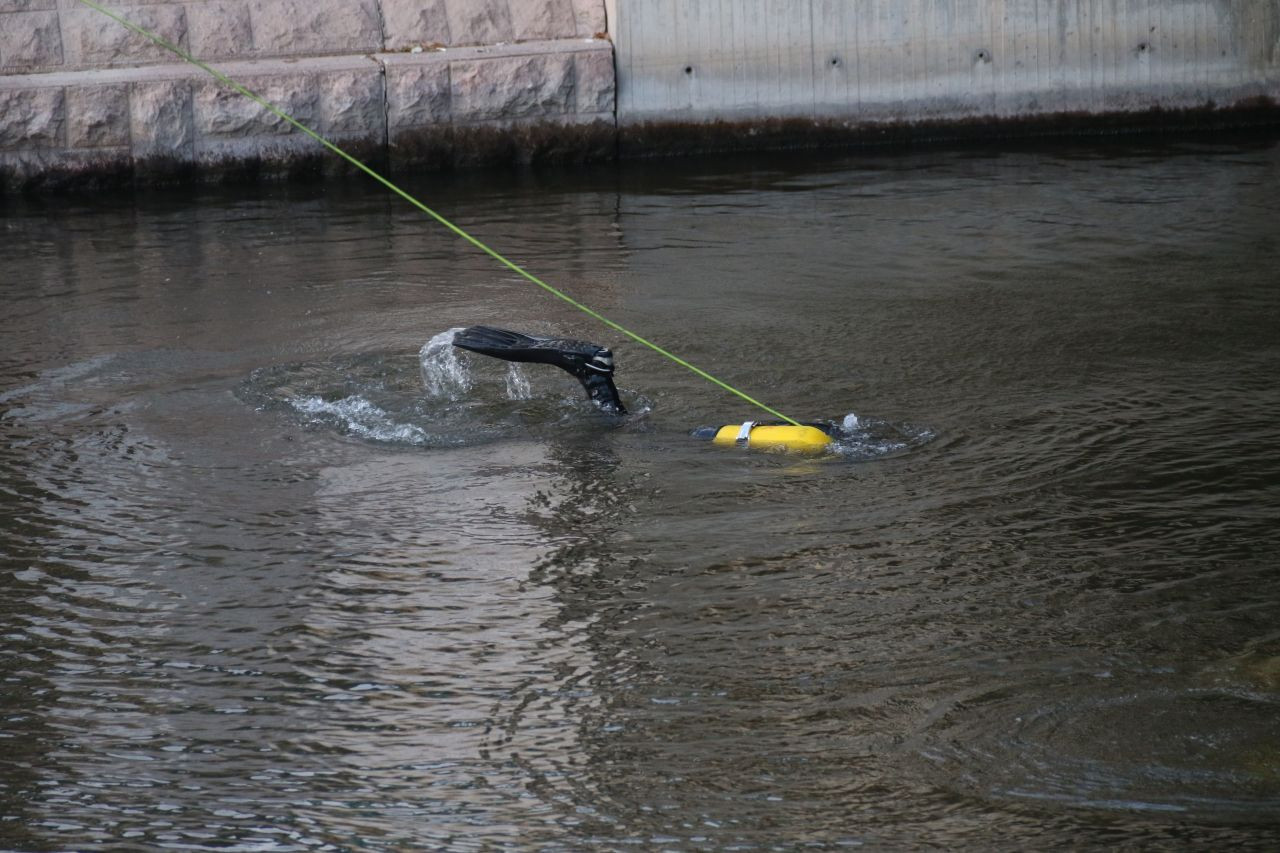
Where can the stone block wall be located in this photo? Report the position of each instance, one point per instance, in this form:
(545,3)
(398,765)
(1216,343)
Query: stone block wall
(65,35)
(435,80)
(449,82)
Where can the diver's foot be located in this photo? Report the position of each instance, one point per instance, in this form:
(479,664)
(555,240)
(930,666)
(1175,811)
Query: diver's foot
(589,363)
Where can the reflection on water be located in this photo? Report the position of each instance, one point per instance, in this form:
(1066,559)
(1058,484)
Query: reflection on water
(279,576)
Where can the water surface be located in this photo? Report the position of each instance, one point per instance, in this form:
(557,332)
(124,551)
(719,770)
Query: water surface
(268,588)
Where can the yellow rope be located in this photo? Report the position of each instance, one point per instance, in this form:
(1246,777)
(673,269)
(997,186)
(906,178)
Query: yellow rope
(436,216)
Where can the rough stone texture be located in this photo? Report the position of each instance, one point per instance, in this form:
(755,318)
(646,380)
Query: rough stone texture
(589,17)
(220,29)
(85,168)
(547,19)
(224,112)
(160,118)
(417,91)
(97,116)
(27,5)
(123,6)
(516,82)
(352,103)
(480,22)
(415,22)
(224,152)
(31,118)
(594,81)
(302,27)
(512,87)
(98,40)
(30,40)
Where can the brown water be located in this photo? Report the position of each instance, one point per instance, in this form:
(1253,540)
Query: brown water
(264,590)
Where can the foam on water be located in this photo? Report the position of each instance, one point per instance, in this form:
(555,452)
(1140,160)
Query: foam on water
(866,438)
(357,416)
(442,398)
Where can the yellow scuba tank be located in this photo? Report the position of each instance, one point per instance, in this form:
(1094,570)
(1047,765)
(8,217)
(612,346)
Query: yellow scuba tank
(787,438)
(592,365)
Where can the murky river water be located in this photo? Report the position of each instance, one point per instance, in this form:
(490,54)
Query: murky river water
(265,590)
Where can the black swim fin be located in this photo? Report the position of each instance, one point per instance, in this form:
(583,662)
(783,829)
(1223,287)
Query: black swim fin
(590,364)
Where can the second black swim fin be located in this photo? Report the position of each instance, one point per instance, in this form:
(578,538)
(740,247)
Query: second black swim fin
(590,364)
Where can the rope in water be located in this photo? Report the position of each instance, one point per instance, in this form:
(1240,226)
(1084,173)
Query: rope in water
(223,78)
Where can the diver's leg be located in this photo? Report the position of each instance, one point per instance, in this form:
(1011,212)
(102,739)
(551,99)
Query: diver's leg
(590,364)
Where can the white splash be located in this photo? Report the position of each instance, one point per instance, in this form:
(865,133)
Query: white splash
(444,374)
(517,383)
(360,417)
(849,424)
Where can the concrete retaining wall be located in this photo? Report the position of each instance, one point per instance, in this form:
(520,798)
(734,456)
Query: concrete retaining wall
(81,95)
(442,82)
(925,60)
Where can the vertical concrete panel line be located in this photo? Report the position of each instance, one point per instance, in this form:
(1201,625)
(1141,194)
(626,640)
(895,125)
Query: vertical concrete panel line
(813,66)
(1096,76)
(875,69)
(774,44)
(745,25)
(1098,15)
(848,58)
(1107,20)
(913,35)
(1124,49)
(813,69)
(1187,53)
(1147,37)
(759,34)
(1001,61)
(854,32)
(927,33)
(705,52)
(1112,66)
(725,14)
(723,38)
(623,82)
(681,23)
(1099,58)
(1123,23)
(1039,48)
(1155,36)
(1080,95)
(913,24)
(1197,54)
